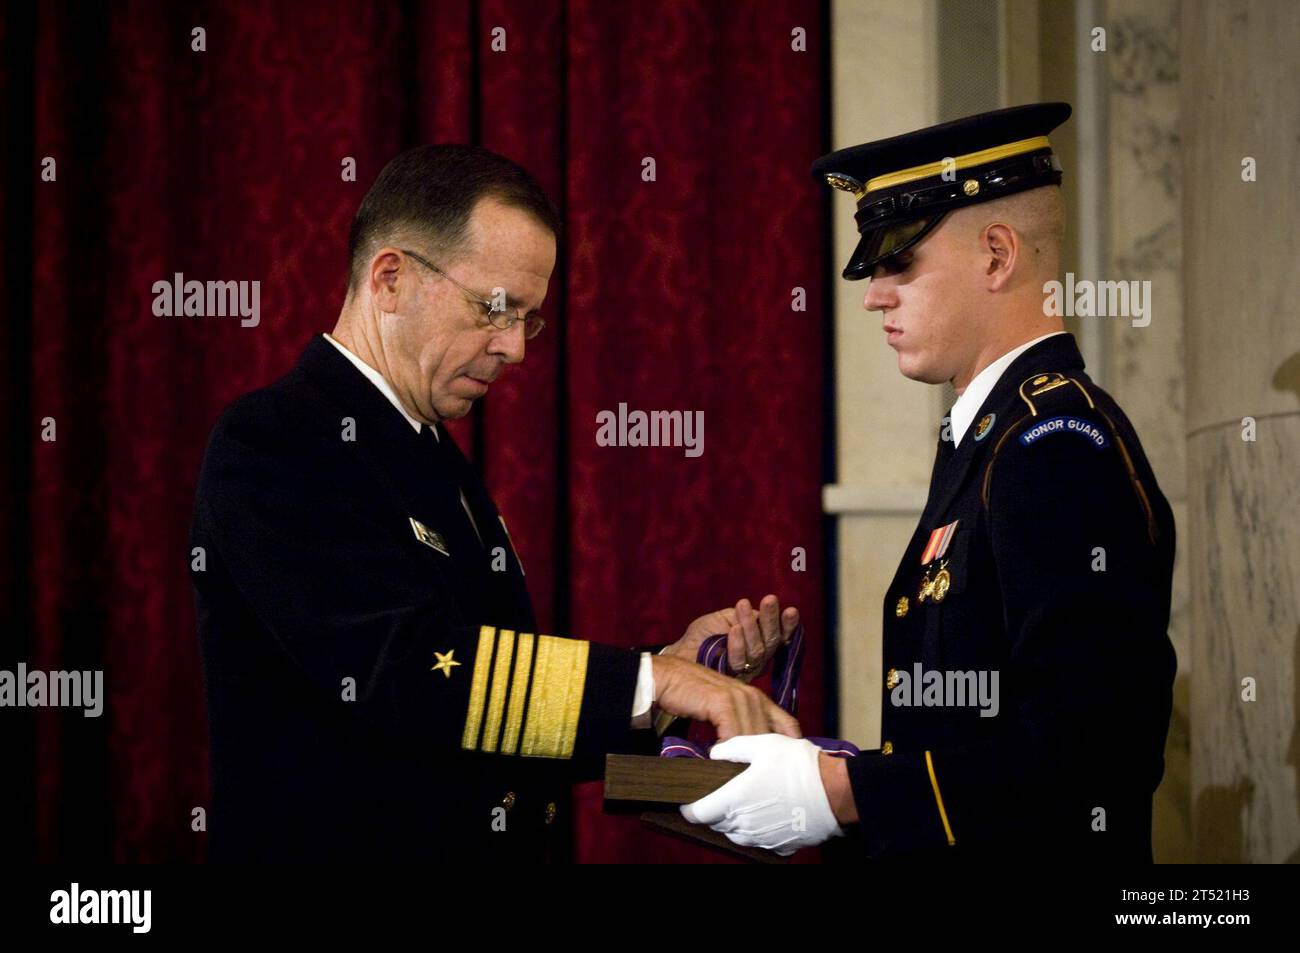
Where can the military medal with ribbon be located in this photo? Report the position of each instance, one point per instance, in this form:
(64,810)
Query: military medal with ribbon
(786,666)
(937,588)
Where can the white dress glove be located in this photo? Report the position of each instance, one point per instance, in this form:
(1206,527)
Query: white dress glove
(778,802)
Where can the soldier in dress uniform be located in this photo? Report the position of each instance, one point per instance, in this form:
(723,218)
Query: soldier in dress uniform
(377,689)
(1029,672)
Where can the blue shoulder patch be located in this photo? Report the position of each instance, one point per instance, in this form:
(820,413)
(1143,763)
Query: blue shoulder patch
(1075,425)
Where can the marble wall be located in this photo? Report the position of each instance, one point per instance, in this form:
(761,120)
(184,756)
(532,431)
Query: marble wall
(1239,101)
(1143,367)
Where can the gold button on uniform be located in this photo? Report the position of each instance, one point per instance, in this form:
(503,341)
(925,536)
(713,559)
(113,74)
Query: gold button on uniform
(550,813)
(900,610)
(891,678)
(887,748)
(509,800)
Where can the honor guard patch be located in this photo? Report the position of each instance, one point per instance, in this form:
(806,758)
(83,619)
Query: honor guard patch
(1075,425)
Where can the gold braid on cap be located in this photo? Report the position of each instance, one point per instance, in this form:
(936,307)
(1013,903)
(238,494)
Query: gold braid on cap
(929,169)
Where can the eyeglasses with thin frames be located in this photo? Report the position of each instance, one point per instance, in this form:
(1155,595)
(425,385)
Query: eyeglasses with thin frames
(503,319)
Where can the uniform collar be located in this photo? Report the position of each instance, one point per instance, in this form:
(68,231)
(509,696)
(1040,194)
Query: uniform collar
(379,381)
(1055,352)
(972,398)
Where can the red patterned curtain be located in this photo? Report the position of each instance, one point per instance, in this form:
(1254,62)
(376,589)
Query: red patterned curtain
(672,294)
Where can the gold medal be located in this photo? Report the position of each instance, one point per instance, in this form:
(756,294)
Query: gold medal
(939,588)
(926,590)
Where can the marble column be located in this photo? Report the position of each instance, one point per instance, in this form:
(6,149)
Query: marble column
(1240,102)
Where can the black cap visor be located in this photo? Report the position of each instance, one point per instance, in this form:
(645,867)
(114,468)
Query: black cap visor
(878,244)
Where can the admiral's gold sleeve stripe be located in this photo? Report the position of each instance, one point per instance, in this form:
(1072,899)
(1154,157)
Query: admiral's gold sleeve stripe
(497,697)
(541,712)
(938,799)
(559,676)
(518,692)
(478,687)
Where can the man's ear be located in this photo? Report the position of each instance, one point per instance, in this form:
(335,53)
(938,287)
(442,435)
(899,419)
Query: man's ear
(385,268)
(1002,248)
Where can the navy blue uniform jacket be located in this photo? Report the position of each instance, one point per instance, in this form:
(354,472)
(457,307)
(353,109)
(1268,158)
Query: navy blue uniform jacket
(376,686)
(1058,579)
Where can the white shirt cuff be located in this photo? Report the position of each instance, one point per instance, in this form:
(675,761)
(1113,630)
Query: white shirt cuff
(644,697)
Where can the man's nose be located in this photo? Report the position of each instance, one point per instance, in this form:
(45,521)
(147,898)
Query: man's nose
(509,344)
(880,295)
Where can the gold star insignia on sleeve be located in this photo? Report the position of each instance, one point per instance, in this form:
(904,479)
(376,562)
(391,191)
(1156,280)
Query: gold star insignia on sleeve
(445,662)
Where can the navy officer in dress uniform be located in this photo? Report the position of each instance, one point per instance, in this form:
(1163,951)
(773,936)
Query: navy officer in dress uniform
(1028,667)
(377,690)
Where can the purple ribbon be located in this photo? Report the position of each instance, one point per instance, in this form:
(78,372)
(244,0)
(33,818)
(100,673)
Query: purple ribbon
(786,666)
